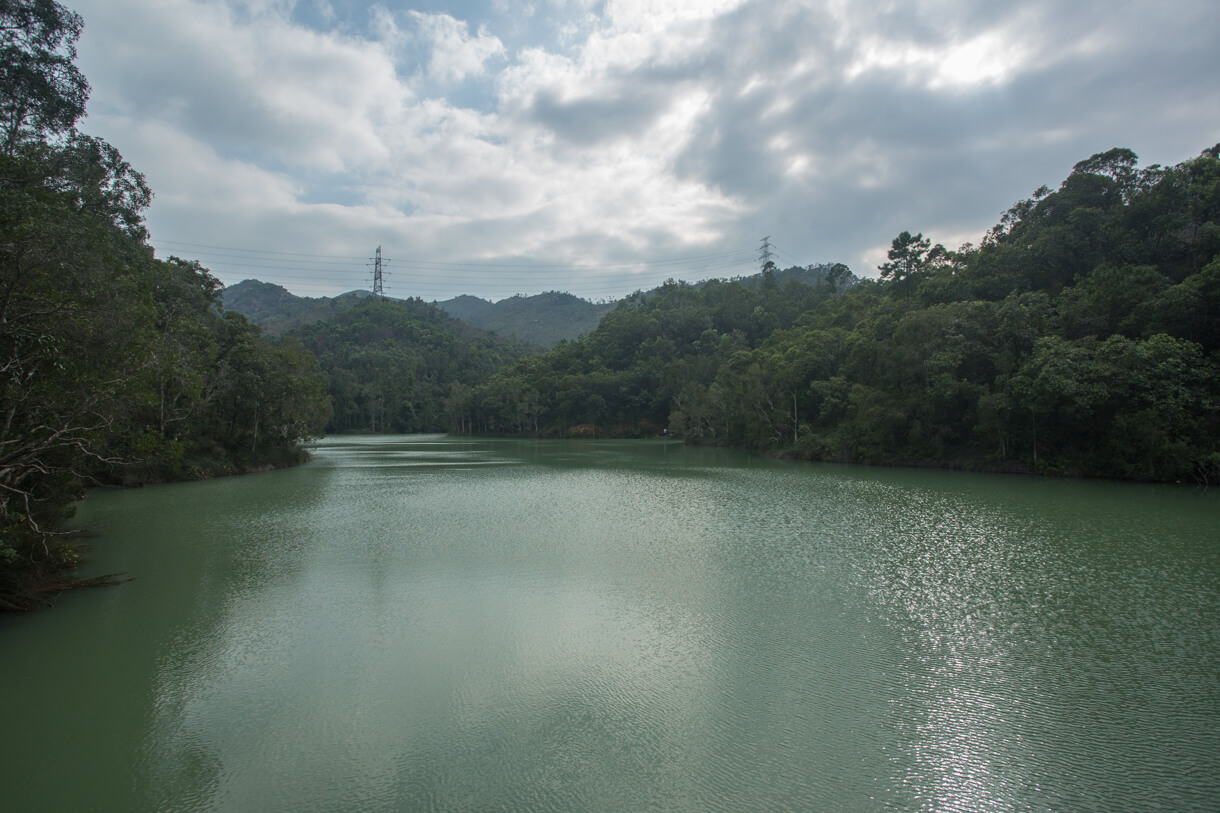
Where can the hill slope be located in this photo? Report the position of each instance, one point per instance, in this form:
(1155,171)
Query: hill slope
(392,364)
(462,307)
(1080,337)
(276,310)
(543,319)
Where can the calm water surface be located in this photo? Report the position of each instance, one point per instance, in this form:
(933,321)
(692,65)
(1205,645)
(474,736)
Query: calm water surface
(428,623)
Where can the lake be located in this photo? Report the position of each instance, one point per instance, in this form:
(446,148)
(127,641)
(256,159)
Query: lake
(447,624)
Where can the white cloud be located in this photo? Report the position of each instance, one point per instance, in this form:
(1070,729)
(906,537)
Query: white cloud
(646,130)
(988,59)
(456,55)
(299,97)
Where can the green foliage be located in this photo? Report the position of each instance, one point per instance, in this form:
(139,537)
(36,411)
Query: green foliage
(654,354)
(1081,337)
(392,363)
(1138,409)
(43,94)
(114,366)
(120,368)
(911,259)
(542,320)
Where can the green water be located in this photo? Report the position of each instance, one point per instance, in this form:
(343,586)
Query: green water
(427,623)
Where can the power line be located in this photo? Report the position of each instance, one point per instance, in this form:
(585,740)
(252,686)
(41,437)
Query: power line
(321,274)
(472,274)
(255,250)
(272,256)
(222,253)
(778,250)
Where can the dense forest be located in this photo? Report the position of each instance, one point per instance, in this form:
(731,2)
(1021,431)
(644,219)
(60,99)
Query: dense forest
(407,366)
(393,363)
(117,367)
(1082,337)
(625,377)
(541,320)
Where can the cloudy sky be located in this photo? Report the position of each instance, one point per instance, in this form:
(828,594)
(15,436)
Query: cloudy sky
(495,147)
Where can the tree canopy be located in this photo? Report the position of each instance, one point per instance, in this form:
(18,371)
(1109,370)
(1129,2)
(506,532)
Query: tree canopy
(392,363)
(44,93)
(1082,336)
(114,366)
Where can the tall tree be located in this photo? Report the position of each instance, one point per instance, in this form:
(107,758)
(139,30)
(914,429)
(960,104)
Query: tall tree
(911,258)
(42,93)
(108,357)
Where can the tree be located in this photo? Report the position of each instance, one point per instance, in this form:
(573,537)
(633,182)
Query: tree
(911,259)
(71,321)
(108,357)
(41,92)
(838,277)
(1118,164)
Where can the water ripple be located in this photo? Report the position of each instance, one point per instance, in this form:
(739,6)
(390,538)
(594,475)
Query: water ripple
(428,623)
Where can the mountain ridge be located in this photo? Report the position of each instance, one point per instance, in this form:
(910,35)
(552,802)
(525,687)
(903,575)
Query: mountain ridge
(543,319)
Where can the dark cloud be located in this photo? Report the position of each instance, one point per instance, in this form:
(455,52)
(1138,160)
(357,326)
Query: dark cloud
(591,120)
(891,152)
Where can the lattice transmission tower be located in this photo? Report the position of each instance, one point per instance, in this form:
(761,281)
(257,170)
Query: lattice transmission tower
(378,275)
(765,255)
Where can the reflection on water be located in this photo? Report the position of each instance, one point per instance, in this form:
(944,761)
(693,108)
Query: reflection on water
(430,623)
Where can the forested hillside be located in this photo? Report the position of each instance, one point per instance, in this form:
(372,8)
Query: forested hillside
(627,375)
(1082,336)
(392,364)
(543,319)
(117,367)
(276,310)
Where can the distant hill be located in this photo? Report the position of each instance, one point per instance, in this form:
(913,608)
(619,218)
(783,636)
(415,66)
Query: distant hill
(540,320)
(461,307)
(277,311)
(393,363)
(543,319)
